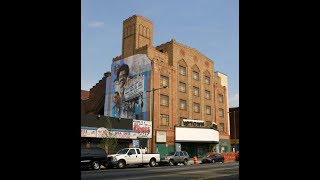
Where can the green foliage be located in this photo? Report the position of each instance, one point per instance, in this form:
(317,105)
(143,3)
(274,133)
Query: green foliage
(109,143)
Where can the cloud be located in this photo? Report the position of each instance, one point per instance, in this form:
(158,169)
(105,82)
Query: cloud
(95,24)
(234,100)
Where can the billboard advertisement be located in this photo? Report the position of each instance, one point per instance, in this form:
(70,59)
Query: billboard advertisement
(130,78)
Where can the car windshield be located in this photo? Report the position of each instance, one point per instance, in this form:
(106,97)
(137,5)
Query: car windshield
(170,153)
(123,151)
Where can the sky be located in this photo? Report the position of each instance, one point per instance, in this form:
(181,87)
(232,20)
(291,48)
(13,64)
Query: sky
(210,26)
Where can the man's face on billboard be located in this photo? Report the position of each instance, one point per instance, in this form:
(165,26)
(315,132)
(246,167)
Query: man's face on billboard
(122,77)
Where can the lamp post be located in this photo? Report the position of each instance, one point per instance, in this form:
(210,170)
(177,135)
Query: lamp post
(152,113)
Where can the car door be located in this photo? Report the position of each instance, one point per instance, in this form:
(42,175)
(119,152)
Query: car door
(139,156)
(131,156)
(181,157)
(176,157)
(219,158)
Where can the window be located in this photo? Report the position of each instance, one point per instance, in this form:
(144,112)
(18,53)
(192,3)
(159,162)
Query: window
(182,87)
(183,104)
(164,81)
(195,91)
(207,80)
(221,112)
(195,75)
(220,98)
(164,120)
(132,151)
(138,151)
(207,95)
(182,70)
(196,107)
(164,100)
(221,127)
(208,109)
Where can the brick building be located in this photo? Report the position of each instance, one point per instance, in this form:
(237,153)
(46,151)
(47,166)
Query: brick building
(187,98)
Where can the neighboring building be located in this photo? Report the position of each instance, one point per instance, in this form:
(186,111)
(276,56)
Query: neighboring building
(85,95)
(222,118)
(234,127)
(190,98)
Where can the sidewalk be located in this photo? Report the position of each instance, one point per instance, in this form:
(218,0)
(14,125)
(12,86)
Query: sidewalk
(191,161)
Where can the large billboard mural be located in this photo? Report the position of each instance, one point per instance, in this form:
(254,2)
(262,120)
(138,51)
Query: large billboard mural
(130,78)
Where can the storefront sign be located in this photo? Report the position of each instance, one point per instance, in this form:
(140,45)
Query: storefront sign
(117,134)
(142,128)
(88,133)
(103,133)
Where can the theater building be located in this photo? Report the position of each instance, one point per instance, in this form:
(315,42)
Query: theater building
(172,85)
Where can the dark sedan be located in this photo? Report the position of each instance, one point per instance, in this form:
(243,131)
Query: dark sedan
(212,158)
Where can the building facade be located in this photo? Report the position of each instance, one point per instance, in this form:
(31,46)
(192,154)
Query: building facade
(234,128)
(183,97)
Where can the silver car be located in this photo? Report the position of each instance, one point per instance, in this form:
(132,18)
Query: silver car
(173,158)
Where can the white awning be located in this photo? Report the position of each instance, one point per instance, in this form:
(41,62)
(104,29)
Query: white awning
(183,134)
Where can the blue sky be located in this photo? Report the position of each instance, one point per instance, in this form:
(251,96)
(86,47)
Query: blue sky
(210,26)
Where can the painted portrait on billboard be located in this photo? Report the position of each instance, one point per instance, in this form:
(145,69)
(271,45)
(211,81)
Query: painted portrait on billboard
(129,79)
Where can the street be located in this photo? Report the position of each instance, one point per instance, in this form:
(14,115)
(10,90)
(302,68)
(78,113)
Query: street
(217,171)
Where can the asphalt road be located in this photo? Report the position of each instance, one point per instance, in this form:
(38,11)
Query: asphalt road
(217,171)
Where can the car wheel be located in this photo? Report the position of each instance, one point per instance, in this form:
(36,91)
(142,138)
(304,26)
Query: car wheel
(95,165)
(121,164)
(171,162)
(152,163)
(185,162)
(222,161)
(213,161)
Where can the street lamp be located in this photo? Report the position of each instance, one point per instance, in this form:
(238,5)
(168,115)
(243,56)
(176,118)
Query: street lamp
(152,112)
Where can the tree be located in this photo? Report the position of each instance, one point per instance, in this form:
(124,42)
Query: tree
(109,143)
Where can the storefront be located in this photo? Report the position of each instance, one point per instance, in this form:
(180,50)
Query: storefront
(196,141)
(135,135)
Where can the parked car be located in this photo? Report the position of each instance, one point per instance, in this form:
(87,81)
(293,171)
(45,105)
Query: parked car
(212,158)
(173,158)
(132,156)
(93,158)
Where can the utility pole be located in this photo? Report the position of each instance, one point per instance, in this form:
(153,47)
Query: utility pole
(152,114)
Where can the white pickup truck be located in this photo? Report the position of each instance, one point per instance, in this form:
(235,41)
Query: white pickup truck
(132,156)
